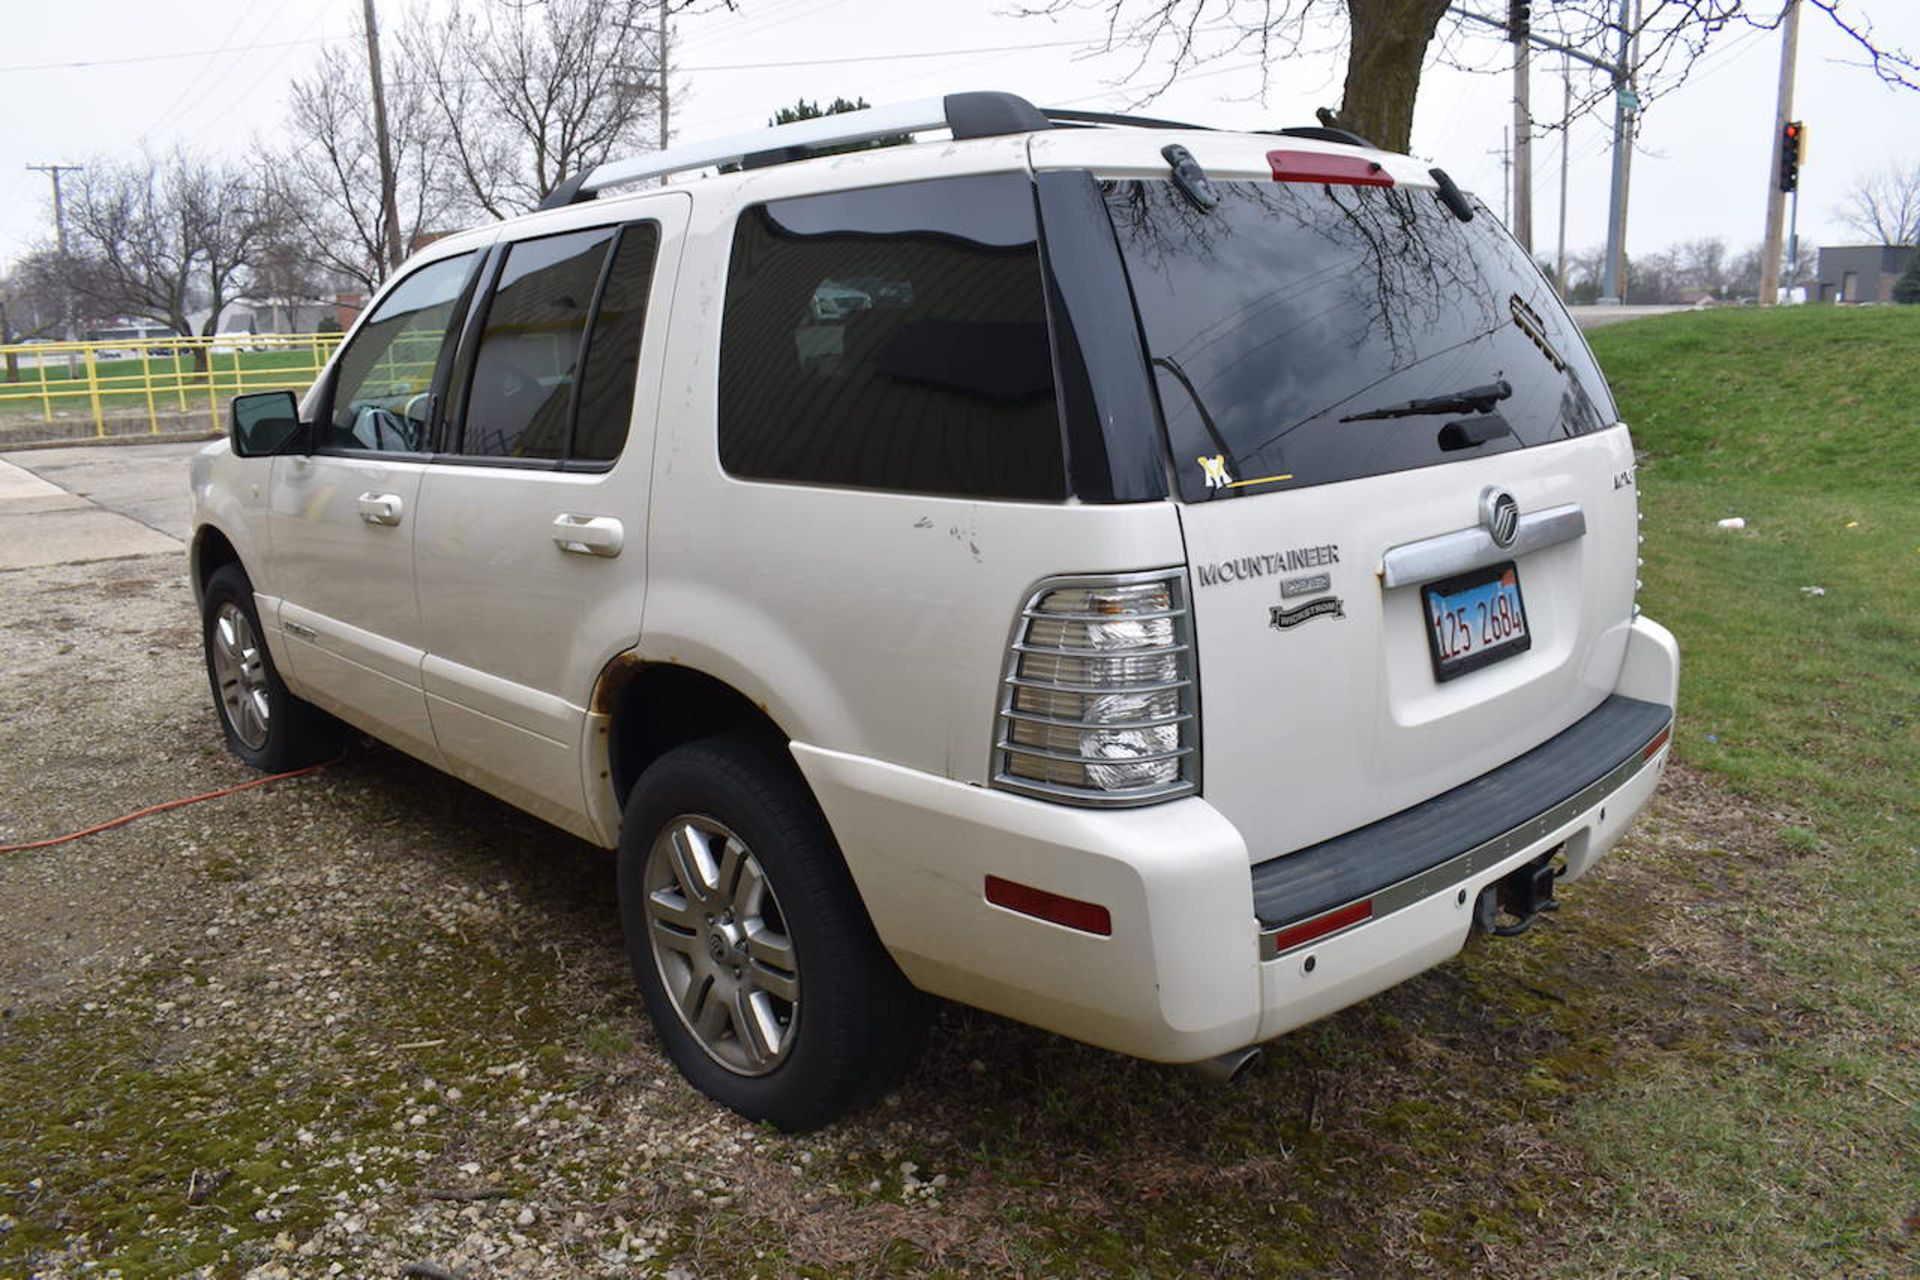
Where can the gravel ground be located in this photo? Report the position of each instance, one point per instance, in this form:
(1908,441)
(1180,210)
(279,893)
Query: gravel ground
(371,1020)
(341,1024)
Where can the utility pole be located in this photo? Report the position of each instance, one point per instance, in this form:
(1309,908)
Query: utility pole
(1520,22)
(665,97)
(1776,198)
(1566,148)
(1617,206)
(1506,176)
(389,200)
(53,171)
(1632,63)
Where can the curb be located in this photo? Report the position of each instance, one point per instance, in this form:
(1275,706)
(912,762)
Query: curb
(86,442)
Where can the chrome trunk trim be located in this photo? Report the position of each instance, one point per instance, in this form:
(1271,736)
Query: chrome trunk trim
(1448,554)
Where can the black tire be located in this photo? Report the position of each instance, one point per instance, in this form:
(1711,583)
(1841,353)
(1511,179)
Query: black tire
(279,731)
(852,1028)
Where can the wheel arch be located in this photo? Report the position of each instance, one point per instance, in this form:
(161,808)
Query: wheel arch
(646,709)
(212,551)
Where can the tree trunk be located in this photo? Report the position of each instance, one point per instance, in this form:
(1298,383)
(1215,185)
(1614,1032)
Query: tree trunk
(202,352)
(1389,45)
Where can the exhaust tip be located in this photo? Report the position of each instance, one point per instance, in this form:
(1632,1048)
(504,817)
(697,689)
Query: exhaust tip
(1228,1068)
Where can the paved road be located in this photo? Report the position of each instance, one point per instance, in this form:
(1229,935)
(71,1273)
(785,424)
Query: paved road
(1595,317)
(67,506)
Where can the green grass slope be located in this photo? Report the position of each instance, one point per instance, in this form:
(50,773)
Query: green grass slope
(1800,639)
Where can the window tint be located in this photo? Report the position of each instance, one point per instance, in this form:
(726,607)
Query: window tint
(520,399)
(892,338)
(382,391)
(613,348)
(1282,323)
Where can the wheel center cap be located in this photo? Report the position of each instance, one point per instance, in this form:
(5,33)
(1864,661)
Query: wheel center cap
(716,946)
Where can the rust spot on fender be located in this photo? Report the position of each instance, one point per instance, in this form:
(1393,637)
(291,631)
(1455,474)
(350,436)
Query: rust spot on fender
(614,679)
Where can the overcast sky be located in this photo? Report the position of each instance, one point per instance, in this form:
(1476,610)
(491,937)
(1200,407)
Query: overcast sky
(211,74)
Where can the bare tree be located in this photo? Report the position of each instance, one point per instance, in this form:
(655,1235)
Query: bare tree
(327,183)
(527,94)
(152,238)
(30,304)
(1885,207)
(1701,264)
(1389,41)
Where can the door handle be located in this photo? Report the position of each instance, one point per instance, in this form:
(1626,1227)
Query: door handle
(588,535)
(380,508)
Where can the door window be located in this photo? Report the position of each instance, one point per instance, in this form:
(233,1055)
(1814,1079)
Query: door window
(613,348)
(553,376)
(383,385)
(523,375)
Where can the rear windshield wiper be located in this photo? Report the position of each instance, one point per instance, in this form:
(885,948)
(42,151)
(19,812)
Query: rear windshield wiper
(1472,400)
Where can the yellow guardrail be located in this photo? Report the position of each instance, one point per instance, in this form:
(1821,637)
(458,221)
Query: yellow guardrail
(173,383)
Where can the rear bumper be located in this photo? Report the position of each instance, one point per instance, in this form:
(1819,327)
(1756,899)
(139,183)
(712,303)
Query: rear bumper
(1194,964)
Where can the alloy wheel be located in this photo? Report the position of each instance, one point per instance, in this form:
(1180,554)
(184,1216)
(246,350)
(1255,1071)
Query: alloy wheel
(719,939)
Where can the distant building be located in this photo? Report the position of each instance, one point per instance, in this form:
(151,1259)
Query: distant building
(1862,273)
(266,315)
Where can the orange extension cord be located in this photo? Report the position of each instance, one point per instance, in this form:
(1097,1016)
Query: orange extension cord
(171,804)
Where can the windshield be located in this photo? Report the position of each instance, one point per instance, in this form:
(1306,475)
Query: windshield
(1282,321)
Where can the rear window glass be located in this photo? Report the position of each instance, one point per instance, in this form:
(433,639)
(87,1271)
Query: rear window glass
(892,338)
(1275,319)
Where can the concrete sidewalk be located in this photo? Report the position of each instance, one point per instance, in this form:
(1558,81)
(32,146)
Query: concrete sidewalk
(43,523)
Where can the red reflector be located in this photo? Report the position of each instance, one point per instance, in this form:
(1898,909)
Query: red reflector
(1659,741)
(1320,926)
(1313,166)
(1087,917)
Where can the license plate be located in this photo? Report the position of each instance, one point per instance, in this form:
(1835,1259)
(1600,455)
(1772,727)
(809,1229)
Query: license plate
(1475,619)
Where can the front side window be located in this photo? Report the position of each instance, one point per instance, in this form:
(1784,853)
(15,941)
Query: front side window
(1291,327)
(892,338)
(383,385)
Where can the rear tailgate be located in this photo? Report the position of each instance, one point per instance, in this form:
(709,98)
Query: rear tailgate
(1317,719)
(1350,375)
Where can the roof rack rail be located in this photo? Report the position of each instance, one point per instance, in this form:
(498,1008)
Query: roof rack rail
(1064,116)
(965,115)
(1325,133)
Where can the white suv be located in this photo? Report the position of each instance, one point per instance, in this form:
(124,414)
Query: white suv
(1156,584)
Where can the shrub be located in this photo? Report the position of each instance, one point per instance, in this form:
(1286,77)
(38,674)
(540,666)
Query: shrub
(1907,287)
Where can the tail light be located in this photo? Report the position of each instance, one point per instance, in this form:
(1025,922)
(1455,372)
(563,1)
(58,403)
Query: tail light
(1100,705)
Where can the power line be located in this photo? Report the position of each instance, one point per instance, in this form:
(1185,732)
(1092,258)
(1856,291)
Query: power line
(91,63)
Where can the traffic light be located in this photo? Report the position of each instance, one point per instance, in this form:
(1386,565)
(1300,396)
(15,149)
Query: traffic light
(1519,20)
(1793,137)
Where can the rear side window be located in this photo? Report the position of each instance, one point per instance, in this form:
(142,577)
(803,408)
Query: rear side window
(553,374)
(892,338)
(1288,324)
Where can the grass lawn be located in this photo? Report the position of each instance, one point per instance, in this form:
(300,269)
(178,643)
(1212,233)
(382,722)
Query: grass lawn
(1801,690)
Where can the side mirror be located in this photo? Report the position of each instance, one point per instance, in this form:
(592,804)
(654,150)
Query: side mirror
(265,423)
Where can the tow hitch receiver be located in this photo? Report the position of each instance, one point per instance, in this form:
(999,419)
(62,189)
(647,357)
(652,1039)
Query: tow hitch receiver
(1522,894)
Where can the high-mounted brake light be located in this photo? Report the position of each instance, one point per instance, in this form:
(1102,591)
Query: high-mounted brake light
(1339,171)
